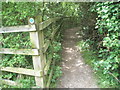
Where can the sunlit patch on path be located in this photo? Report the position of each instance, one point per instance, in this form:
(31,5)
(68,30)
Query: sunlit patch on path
(76,74)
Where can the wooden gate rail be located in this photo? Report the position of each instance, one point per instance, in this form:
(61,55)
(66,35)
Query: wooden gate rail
(11,83)
(38,51)
(22,71)
(19,51)
(46,45)
(28,28)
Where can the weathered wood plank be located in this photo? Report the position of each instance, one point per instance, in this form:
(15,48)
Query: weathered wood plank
(11,83)
(19,51)
(46,45)
(42,55)
(22,71)
(50,76)
(54,31)
(34,37)
(28,28)
(46,23)
(25,28)
(47,66)
(37,39)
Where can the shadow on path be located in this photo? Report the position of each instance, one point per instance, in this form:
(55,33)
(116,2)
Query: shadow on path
(76,74)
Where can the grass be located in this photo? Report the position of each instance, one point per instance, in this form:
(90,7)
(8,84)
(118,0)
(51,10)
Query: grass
(89,57)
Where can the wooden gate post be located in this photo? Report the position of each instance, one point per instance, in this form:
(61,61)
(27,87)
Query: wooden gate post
(37,40)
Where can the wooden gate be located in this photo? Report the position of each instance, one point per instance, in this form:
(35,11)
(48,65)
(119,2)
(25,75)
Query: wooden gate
(38,51)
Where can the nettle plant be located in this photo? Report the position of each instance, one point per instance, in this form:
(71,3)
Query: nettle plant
(108,26)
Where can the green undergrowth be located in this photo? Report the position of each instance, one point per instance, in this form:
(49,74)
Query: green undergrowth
(100,32)
(57,57)
(91,58)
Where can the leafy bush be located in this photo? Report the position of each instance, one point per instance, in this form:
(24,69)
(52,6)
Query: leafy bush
(109,52)
(105,38)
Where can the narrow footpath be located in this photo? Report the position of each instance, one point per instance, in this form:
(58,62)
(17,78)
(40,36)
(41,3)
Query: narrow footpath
(76,74)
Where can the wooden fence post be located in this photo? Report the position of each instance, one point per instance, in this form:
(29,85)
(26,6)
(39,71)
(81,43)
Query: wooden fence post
(37,40)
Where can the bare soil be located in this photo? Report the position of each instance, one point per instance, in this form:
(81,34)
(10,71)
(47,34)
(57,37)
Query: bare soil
(76,74)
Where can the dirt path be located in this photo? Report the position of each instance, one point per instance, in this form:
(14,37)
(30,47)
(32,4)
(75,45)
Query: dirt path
(76,74)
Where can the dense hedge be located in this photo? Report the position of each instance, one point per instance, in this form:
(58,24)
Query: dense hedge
(108,26)
(104,38)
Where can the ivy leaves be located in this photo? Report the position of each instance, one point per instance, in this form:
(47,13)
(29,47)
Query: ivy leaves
(108,26)
(107,42)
